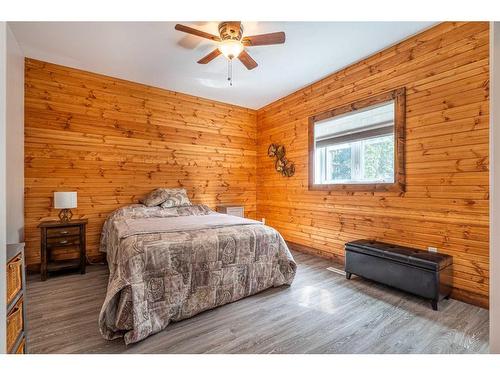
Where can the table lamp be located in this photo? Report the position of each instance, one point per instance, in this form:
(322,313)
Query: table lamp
(65,200)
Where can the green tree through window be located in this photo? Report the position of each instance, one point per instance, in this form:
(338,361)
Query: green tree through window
(340,160)
(379,159)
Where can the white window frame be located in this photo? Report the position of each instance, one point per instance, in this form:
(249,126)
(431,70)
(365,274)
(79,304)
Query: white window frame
(323,163)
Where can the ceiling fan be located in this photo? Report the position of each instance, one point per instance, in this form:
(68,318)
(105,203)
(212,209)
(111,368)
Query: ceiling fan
(231,43)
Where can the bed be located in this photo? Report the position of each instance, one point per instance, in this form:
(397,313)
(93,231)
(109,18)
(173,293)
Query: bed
(169,263)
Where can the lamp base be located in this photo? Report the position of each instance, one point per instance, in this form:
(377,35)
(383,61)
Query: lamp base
(65,215)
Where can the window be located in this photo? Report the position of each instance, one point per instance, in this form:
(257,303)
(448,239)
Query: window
(356,147)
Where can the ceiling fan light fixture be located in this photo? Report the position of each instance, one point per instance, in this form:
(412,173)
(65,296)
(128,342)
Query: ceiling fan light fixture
(231,48)
(231,43)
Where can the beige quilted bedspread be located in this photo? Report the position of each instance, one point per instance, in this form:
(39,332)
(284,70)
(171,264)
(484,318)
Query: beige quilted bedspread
(170,264)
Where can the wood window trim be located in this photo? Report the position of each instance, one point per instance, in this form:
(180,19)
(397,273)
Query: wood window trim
(399,184)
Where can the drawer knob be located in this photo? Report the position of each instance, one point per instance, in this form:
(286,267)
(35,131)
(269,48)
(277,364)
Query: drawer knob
(63,242)
(64,232)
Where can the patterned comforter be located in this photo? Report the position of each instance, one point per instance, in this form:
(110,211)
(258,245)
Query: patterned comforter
(161,272)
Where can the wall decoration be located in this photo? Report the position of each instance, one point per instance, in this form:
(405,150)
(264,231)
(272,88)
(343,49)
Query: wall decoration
(282,165)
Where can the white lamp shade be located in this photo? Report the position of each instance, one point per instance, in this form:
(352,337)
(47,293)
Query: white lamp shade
(65,199)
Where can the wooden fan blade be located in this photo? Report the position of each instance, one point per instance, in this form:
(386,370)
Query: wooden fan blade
(212,55)
(190,30)
(264,39)
(245,58)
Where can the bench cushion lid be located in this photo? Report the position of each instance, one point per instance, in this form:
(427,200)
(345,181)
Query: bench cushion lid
(402,254)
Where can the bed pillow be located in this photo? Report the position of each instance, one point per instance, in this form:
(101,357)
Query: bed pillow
(171,198)
(155,198)
(175,198)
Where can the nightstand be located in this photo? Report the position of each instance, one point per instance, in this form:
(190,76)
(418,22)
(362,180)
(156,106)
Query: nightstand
(62,237)
(232,209)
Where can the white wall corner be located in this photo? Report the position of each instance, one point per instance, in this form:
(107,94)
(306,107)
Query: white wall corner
(11,156)
(15,139)
(3,287)
(495,187)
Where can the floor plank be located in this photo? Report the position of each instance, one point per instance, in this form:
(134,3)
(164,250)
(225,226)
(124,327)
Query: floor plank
(321,312)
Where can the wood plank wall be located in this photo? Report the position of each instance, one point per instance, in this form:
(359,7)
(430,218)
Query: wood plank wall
(113,141)
(445,72)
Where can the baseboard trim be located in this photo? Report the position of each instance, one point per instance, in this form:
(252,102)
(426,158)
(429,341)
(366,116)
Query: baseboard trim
(312,251)
(471,298)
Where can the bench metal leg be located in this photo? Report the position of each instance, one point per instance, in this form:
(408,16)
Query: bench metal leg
(348,275)
(434,305)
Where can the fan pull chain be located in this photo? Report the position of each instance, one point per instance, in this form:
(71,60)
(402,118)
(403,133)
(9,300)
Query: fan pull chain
(230,72)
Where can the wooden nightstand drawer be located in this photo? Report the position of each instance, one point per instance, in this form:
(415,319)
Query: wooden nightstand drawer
(63,241)
(63,232)
(14,278)
(14,324)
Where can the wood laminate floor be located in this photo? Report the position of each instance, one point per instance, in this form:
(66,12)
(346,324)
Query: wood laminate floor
(321,312)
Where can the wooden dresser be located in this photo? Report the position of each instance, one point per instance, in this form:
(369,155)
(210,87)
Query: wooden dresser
(16,286)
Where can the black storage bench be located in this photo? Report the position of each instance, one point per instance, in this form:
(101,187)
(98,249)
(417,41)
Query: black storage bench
(426,274)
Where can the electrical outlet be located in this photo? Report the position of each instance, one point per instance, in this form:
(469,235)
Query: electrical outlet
(263,220)
(432,249)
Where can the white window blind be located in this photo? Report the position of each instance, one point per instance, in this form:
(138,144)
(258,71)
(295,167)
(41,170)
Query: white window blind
(357,147)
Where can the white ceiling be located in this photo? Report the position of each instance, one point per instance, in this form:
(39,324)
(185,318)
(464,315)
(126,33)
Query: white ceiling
(154,53)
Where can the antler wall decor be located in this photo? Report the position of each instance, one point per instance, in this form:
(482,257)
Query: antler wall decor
(282,164)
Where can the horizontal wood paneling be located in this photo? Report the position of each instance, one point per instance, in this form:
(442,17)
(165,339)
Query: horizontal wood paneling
(445,72)
(113,141)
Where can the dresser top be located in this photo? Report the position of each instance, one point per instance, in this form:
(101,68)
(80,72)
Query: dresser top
(58,223)
(13,249)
